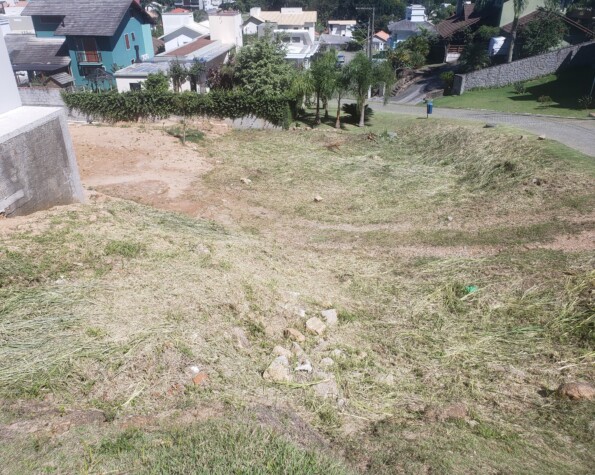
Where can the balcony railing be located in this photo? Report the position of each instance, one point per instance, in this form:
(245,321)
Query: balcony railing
(88,57)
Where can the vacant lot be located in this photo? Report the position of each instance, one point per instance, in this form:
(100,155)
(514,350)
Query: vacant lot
(459,259)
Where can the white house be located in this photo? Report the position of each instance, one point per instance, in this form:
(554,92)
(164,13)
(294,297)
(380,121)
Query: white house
(179,28)
(288,19)
(298,45)
(414,23)
(380,41)
(13,21)
(342,27)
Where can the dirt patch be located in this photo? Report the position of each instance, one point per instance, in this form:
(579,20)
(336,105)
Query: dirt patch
(143,164)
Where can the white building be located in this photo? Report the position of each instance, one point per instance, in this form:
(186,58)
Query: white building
(13,22)
(179,28)
(414,23)
(416,13)
(342,27)
(288,19)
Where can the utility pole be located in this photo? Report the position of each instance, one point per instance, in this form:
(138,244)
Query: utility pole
(370,28)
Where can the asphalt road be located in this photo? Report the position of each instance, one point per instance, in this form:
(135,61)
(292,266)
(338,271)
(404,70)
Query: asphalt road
(575,133)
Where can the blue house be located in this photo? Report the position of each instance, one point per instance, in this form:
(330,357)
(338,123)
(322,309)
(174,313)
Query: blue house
(101,36)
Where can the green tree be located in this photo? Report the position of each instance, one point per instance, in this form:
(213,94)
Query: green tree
(518,7)
(342,84)
(323,72)
(260,68)
(363,75)
(178,73)
(156,82)
(195,71)
(413,52)
(542,34)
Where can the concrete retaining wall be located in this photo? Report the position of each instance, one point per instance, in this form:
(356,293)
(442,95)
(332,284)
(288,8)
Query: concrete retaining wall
(528,68)
(38,168)
(46,97)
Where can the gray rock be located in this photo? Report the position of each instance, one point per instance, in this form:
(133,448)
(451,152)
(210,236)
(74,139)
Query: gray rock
(280,351)
(327,387)
(330,316)
(307,367)
(326,362)
(278,370)
(294,335)
(318,198)
(246,181)
(316,326)
(240,337)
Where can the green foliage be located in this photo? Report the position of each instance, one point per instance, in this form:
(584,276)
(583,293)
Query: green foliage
(363,75)
(123,248)
(157,82)
(261,69)
(324,78)
(413,52)
(542,34)
(519,87)
(475,56)
(178,73)
(145,105)
(448,78)
(545,100)
(585,101)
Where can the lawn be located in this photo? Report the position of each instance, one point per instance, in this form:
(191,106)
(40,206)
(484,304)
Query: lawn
(460,267)
(565,89)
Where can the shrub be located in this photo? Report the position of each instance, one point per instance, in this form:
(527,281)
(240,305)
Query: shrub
(545,100)
(585,101)
(519,87)
(352,111)
(142,105)
(448,78)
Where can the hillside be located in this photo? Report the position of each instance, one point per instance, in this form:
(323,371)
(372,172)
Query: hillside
(135,329)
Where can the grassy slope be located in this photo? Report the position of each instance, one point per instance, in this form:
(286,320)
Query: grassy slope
(565,90)
(106,305)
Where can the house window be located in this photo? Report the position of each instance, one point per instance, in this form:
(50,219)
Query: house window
(133,36)
(296,39)
(127,40)
(135,86)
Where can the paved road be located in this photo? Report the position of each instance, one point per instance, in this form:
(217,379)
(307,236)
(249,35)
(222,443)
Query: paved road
(577,134)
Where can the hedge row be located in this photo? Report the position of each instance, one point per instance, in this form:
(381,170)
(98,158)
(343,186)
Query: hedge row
(138,105)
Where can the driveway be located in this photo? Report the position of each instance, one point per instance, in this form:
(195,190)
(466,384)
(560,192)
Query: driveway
(575,133)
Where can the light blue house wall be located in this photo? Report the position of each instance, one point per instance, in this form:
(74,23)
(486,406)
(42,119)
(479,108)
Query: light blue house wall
(113,49)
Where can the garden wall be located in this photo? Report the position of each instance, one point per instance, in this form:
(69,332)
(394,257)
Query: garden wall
(46,97)
(526,69)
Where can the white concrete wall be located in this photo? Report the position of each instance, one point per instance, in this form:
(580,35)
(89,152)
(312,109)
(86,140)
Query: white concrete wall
(123,84)
(173,21)
(180,40)
(227,28)
(250,28)
(8,85)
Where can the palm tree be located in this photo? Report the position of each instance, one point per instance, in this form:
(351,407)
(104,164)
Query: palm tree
(342,83)
(365,73)
(518,7)
(323,74)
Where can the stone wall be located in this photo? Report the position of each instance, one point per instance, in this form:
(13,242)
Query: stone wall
(46,97)
(38,168)
(526,69)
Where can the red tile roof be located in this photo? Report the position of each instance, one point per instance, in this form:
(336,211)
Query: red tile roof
(179,10)
(189,47)
(383,35)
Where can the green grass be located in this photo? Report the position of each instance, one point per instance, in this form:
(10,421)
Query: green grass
(565,89)
(213,447)
(191,135)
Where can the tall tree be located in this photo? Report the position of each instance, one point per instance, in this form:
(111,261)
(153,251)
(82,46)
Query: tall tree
(342,83)
(260,68)
(323,72)
(178,74)
(518,7)
(364,74)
